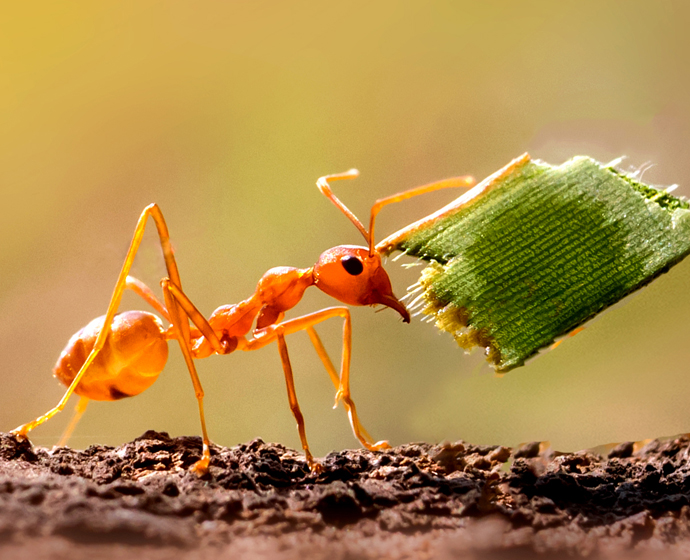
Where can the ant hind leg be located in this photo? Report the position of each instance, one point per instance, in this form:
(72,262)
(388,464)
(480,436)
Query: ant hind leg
(123,282)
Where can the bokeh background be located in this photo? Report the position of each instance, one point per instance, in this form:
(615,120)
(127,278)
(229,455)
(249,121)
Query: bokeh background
(225,113)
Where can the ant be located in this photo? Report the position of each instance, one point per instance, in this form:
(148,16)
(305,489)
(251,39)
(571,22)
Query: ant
(120,355)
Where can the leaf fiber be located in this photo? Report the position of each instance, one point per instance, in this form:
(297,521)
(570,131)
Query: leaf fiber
(536,250)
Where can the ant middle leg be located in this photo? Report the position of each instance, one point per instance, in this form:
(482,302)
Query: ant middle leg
(179,317)
(145,293)
(314,466)
(181,310)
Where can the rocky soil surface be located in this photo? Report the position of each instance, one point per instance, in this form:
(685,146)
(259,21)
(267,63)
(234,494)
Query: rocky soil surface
(259,501)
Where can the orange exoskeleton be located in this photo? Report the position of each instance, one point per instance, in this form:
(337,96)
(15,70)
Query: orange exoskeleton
(121,355)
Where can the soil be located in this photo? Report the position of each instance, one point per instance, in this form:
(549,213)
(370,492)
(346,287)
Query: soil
(259,501)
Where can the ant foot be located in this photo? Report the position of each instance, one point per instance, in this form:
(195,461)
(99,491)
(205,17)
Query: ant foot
(21,432)
(378,446)
(200,468)
(314,466)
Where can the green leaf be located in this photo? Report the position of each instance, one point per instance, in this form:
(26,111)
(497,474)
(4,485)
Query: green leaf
(535,250)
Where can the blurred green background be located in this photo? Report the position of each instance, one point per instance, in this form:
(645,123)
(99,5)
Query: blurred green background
(225,113)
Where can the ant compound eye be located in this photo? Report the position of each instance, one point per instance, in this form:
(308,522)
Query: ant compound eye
(353,265)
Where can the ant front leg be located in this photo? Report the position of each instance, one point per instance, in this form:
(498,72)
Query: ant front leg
(342,386)
(145,293)
(342,382)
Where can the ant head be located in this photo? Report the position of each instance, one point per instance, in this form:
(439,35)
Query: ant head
(355,275)
(350,274)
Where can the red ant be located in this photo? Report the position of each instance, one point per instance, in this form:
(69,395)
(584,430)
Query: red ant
(121,354)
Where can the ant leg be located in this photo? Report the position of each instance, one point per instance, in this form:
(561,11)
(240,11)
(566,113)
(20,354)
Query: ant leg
(330,368)
(314,466)
(325,358)
(181,309)
(176,313)
(144,292)
(78,413)
(267,335)
(190,310)
(200,322)
(155,213)
(343,392)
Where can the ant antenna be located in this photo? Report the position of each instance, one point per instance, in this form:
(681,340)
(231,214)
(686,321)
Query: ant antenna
(465,181)
(325,189)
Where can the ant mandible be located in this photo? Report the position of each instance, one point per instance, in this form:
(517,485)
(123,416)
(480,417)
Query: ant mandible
(120,355)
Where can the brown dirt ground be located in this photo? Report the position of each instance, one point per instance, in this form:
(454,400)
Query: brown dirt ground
(260,501)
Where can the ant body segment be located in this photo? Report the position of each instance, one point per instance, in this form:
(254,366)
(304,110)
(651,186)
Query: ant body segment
(120,355)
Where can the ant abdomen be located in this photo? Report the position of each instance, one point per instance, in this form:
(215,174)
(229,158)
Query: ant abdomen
(133,355)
